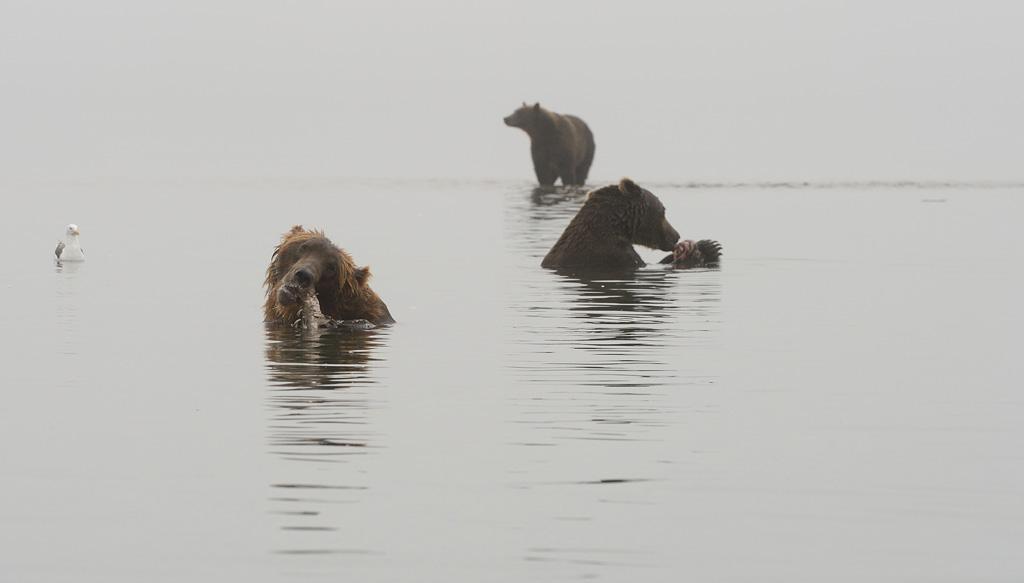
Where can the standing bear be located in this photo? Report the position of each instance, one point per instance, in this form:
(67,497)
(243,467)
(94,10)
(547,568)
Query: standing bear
(306,262)
(611,221)
(562,145)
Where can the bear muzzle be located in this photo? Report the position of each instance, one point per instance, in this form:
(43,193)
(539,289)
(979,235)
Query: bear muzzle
(671,237)
(297,284)
(302,277)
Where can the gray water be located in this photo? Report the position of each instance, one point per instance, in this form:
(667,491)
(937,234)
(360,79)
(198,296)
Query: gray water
(839,402)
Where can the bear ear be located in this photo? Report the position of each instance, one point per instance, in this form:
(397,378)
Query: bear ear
(536,106)
(362,275)
(628,187)
(296,229)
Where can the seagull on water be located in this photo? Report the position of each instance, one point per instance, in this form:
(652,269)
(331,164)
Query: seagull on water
(70,249)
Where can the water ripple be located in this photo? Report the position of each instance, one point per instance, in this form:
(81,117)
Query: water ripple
(590,353)
(320,402)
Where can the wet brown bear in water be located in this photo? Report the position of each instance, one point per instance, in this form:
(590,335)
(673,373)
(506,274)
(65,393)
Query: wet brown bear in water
(307,260)
(562,145)
(611,221)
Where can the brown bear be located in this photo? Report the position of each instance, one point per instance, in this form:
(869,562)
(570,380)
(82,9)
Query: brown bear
(689,254)
(562,145)
(307,261)
(611,221)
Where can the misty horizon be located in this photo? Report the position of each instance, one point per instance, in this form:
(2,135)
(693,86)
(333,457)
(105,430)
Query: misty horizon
(704,93)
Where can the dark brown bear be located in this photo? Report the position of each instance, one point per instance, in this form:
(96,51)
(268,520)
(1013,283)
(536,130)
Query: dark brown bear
(611,221)
(689,254)
(562,145)
(307,261)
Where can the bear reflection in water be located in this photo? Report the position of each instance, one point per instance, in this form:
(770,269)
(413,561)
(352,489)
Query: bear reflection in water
(547,196)
(329,359)
(645,311)
(319,409)
(647,291)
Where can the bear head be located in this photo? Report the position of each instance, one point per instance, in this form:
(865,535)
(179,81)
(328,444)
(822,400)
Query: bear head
(636,212)
(308,262)
(525,117)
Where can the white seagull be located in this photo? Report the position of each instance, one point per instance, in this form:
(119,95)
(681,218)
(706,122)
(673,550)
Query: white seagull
(70,249)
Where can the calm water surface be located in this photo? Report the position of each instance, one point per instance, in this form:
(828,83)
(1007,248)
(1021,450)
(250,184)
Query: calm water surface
(839,402)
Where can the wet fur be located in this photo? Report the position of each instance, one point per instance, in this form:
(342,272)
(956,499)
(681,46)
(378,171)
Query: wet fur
(341,287)
(611,221)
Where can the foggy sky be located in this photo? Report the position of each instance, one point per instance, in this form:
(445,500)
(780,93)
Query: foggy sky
(677,91)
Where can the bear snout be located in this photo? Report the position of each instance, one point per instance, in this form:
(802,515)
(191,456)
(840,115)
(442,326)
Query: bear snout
(671,237)
(296,284)
(303,277)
